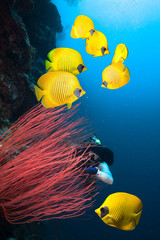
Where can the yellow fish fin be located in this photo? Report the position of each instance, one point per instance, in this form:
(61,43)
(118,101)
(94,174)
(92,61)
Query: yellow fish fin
(51,54)
(69,105)
(39,93)
(128,227)
(87,35)
(138,216)
(121,60)
(86,42)
(126,71)
(48,64)
(97,55)
(74,32)
(47,103)
(44,81)
(119,66)
(125,79)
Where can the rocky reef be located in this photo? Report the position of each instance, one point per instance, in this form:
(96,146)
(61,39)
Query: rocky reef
(28,32)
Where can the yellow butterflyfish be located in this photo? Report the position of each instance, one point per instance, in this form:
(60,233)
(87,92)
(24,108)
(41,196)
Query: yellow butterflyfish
(83,27)
(115,76)
(65,59)
(121,210)
(58,88)
(120,54)
(97,44)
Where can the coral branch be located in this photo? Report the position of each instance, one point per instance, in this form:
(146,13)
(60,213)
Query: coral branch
(40,170)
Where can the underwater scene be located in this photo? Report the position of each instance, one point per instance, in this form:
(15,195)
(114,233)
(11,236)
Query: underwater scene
(79,119)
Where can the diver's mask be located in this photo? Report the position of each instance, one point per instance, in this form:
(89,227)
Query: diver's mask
(95,140)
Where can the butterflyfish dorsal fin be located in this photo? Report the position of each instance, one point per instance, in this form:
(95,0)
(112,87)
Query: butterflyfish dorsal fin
(119,66)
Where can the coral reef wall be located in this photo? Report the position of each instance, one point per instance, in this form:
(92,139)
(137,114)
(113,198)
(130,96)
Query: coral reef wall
(27,33)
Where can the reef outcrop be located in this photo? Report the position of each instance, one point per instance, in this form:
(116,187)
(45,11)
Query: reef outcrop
(28,32)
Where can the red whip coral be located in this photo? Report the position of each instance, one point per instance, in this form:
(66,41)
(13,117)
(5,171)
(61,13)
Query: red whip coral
(40,170)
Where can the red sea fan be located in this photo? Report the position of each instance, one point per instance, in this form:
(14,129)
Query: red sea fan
(40,170)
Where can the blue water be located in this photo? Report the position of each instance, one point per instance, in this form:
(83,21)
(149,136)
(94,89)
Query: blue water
(127,120)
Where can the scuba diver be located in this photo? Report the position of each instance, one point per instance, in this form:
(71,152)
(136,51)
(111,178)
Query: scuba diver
(100,160)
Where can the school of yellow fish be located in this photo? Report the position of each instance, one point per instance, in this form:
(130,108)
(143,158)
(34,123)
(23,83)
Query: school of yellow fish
(59,86)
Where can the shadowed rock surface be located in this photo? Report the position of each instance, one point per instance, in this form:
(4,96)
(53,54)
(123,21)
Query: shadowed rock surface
(28,32)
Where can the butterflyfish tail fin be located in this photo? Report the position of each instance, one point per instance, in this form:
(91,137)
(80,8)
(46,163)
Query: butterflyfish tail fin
(39,93)
(74,32)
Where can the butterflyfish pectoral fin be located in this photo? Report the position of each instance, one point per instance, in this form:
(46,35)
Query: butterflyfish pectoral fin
(47,103)
(69,105)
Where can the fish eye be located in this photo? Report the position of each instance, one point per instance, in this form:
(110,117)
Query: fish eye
(80,67)
(104,211)
(105,84)
(103,49)
(77,92)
